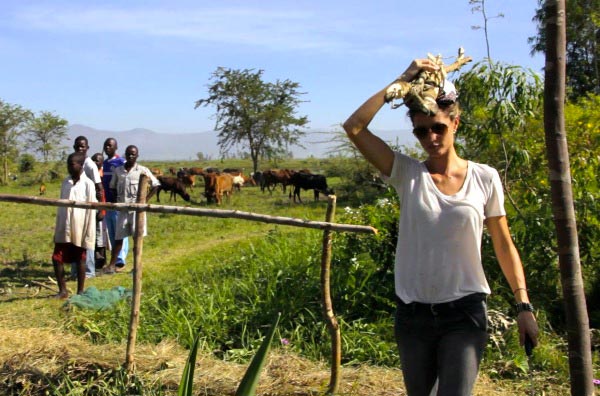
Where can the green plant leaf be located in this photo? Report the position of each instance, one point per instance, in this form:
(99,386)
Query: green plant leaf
(187,379)
(250,381)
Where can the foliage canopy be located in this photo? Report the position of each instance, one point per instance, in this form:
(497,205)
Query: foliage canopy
(45,133)
(251,111)
(583,47)
(13,122)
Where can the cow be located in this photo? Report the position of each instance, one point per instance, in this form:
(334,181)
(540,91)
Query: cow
(238,178)
(188,180)
(215,186)
(249,180)
(272,177)
(238,182)
(307,181)
(212,170)
(42,189)
(156,171)
(258,179)
(195,171)
(172,184)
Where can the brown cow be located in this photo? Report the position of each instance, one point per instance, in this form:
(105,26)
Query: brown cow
(189,181)
(156,171)
(249,180)
(172,184)
(272,177)
(195,171)
(217,185)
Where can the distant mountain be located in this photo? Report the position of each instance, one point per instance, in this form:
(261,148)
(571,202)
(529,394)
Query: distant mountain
(184,146)
(152,145)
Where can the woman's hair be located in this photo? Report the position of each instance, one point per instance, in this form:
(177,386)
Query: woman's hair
(452,109)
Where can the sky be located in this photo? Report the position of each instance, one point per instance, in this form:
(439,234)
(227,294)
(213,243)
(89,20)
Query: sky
(119,65)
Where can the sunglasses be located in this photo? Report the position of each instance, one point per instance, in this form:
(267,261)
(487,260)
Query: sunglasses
(438,128)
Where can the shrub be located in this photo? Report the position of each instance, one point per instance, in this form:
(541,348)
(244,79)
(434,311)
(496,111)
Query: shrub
(26,163)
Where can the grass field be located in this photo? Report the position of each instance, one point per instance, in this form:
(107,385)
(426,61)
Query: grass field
(222,276)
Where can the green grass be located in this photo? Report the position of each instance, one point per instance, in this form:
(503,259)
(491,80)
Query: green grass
(224,278)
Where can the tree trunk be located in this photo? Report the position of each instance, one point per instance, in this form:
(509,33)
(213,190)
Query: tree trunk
(4,170)
(254,156)
(580,357)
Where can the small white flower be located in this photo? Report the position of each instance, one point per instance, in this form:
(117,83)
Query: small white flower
(382,202)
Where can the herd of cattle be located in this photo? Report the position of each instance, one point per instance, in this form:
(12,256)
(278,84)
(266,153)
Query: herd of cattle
(219,183)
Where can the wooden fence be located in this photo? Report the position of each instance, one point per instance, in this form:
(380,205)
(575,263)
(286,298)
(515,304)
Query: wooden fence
(141,207)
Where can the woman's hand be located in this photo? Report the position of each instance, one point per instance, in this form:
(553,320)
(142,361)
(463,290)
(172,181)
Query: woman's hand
(527,325)
(417,66)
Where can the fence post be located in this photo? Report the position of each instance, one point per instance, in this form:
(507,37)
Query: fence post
(138,242)
(330,319)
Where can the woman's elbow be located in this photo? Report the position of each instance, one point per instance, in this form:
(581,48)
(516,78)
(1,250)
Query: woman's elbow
(352,127)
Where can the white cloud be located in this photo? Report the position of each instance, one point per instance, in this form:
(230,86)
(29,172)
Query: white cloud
(272,29)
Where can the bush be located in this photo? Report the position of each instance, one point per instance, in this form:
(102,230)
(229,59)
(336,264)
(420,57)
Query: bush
(26,163)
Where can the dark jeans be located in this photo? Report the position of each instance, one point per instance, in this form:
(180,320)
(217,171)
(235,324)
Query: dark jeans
(443,342)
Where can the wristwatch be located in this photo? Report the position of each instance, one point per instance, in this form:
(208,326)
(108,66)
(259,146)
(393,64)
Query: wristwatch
(523,306)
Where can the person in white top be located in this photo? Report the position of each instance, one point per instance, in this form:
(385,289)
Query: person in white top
(441,289)
(91,171)
(124,187)
(75,229)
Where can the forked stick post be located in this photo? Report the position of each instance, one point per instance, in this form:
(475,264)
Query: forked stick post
(138,242)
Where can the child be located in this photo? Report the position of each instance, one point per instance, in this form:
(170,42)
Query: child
(75,229)
(124,189)
(112,161)
(101,232)
(91,171)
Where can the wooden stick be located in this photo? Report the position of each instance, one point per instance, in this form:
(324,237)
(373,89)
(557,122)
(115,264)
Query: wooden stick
(330,319)
(139,207)
(138,243)
(457,64)
(44,286)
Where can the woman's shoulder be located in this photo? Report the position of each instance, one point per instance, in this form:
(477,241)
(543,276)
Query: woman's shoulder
(483,169)
(485,173)
(406,159)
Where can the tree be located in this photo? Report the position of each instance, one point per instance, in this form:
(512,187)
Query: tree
(26,163)
(45,133)
(479,6)
(582,48)
(13,120)
(252,111)
(498,99)
(578,331)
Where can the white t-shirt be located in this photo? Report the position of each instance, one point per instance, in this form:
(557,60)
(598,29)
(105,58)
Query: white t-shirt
(76,225)
(438,255)
(91,170)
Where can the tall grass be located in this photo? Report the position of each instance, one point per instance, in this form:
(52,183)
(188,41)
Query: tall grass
(228,277)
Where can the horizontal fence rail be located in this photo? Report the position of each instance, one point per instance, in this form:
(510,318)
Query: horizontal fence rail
(233,214)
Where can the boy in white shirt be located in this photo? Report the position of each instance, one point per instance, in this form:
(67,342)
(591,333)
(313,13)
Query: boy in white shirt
(75,229)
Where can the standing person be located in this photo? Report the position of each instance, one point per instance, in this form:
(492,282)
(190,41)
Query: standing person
(112,161)
(441,289)
(101,233)
(124,187)
(75,230)
(91,171)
